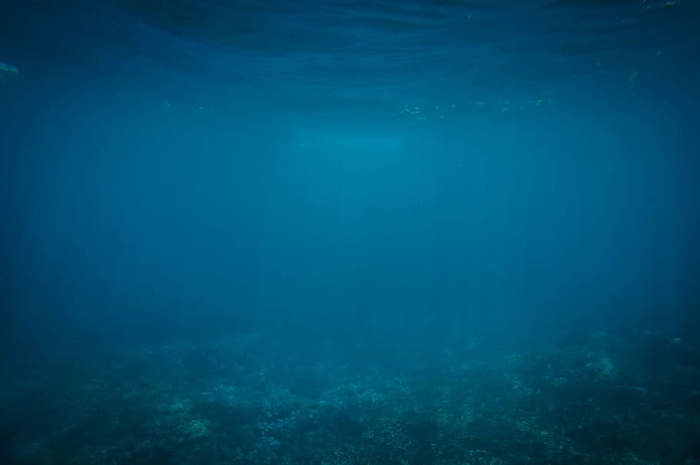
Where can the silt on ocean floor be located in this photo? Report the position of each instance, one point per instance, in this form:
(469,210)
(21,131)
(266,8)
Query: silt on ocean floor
(253,399)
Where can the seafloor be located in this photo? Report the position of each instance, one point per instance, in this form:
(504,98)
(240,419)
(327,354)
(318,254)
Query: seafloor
(256,399)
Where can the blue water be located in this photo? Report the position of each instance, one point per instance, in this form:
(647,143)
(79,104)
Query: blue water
(344,232)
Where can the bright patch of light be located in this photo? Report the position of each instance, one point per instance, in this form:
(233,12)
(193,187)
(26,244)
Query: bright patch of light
(346,141)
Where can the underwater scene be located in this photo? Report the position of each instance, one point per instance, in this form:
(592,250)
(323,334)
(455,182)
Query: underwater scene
(350,232)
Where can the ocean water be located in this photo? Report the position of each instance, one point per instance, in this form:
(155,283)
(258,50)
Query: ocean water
(336,232)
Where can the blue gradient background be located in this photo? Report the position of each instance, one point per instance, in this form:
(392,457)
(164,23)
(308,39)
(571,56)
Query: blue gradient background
(339,170)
